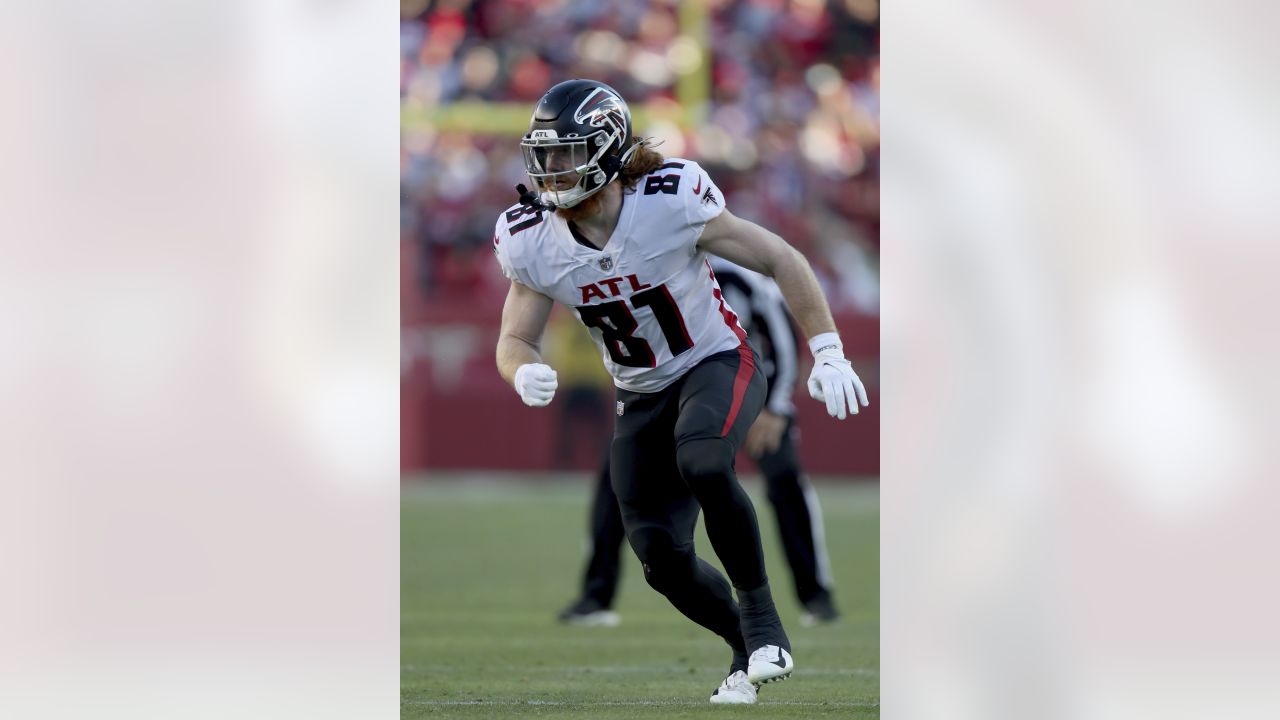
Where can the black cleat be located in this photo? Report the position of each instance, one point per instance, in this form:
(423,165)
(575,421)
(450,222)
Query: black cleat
(819,611)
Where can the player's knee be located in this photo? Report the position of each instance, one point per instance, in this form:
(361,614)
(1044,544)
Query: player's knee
(666,565)
(706,465)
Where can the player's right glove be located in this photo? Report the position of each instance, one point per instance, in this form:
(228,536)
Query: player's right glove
(833,380)
(536,384)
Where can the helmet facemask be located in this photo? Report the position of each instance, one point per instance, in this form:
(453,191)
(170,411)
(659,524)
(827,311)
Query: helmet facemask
(565,171)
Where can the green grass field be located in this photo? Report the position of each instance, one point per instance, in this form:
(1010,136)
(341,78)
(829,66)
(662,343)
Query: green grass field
(485,565)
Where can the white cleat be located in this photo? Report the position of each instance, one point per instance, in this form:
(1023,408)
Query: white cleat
(769,663)
(735,690)
(596,618)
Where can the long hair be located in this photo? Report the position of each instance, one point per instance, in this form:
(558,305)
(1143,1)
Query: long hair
(642,162)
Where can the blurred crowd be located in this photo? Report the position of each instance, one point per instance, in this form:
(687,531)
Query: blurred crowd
(789,128)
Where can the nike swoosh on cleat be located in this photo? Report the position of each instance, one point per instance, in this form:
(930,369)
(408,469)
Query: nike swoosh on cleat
(780,662)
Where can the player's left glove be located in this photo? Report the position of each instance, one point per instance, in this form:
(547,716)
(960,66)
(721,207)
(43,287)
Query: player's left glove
(833,380)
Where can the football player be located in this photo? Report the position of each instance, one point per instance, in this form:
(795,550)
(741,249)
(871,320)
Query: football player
(621,235)
(770,443)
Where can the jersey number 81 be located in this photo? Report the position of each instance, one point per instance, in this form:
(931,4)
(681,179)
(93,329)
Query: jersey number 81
(617,325)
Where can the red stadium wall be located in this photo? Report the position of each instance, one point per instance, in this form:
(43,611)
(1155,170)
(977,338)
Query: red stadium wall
(456,413)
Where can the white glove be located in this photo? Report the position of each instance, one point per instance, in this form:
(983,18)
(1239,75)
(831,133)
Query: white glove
(833,380)
(536,383)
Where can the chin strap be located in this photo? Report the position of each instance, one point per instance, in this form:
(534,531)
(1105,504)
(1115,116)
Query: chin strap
(528,197)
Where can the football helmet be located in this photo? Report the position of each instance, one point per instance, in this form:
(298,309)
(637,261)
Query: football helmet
(579,138)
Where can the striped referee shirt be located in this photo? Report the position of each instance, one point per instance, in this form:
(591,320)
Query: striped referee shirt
(763,313)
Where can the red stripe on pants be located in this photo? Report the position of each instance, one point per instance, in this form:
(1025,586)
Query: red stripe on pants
(746,367)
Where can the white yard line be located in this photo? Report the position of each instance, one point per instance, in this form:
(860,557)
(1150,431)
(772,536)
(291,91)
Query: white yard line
(587,639)
(608,669)
(627,703)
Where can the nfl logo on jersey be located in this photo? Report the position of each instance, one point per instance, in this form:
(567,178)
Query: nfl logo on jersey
(620,407)
(606,263)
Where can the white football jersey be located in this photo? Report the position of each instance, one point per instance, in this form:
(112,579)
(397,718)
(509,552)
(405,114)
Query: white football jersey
(649,296)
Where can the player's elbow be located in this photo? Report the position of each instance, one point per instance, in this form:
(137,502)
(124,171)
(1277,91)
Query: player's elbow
(782,258)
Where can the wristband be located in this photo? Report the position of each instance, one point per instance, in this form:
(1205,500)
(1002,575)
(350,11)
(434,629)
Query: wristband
(825,341)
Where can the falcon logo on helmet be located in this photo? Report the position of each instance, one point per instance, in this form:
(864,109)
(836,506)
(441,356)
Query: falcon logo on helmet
(577,142)
(603,109)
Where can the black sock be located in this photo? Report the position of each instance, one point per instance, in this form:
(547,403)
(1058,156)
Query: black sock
(740,657)
(760,622)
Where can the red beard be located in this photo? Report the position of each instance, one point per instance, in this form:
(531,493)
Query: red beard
(585,209)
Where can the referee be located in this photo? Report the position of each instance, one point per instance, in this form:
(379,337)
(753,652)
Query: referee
(770,443)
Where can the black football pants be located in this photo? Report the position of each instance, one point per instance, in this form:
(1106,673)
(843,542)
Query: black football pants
(673,454)
(795,509)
